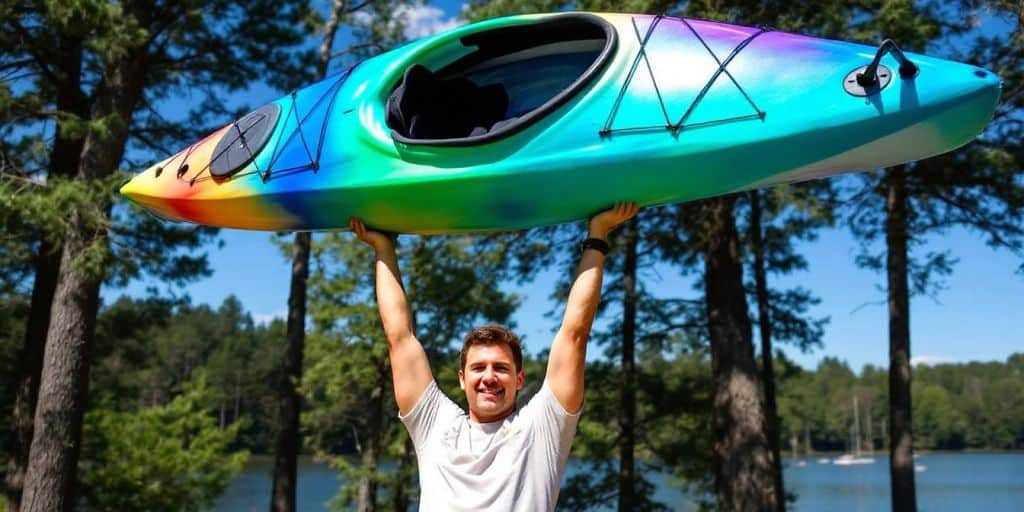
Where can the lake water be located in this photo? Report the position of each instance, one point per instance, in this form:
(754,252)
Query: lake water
(992,482)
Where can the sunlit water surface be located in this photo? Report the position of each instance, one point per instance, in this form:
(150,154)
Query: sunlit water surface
(992,482)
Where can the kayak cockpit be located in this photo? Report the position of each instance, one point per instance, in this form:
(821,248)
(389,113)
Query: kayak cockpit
(511,77)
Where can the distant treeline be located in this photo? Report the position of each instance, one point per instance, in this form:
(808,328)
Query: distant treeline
(976,405)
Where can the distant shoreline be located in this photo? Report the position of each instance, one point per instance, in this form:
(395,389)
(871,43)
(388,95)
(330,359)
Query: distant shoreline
(916,452)
(309,459)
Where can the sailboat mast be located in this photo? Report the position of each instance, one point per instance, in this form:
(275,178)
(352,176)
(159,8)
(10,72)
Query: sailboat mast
(856,428)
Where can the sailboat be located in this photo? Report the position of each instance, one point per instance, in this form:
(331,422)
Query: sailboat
(855,458)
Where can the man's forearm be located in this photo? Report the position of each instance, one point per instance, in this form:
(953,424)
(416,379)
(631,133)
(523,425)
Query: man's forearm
(395,314)
(584,296)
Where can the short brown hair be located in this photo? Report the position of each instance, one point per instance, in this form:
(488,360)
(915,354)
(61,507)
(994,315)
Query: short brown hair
(493,335)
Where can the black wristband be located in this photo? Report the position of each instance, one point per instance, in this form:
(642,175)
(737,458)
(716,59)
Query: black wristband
(596,244)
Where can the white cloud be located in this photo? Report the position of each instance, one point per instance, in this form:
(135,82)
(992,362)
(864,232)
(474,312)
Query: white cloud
(266,318)
(419,20)
(425,20)
(929,360)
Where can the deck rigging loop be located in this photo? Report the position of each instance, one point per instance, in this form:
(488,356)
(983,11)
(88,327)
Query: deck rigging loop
(245,139)
(677,126)
(908,69)
(871,79)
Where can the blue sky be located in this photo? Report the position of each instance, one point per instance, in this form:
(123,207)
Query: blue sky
(979,316)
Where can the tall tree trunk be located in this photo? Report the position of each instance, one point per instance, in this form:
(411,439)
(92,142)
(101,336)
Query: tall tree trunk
(367,490)
(807,440)
(742,460)
(404,477)
(286,447)
(885,434)
(627,403)
(64,160)
(30,363)
(870,441)
(238,396)
(901,447)
(64,381)
(765,330)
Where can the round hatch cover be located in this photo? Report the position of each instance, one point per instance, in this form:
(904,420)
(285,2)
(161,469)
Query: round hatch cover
(883,77)
(244,140)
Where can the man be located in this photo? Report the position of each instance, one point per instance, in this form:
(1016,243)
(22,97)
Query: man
(494,458)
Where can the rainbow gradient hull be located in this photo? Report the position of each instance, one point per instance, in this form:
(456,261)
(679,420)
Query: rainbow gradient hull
(758,109)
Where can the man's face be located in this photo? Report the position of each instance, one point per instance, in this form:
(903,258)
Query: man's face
(490,381)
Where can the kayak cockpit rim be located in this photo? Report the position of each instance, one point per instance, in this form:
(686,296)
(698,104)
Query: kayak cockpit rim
(582,34)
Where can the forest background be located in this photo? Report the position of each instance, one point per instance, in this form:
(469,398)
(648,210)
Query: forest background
(173,384)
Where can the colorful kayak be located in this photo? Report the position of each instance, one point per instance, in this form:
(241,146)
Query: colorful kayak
(542,119)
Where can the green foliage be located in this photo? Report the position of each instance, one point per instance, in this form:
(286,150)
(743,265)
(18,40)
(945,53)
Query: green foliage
(171,457)
(149,350)
(47,205)
(937,423)
(12,331)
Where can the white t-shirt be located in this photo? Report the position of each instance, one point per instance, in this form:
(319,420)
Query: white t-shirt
(515,464)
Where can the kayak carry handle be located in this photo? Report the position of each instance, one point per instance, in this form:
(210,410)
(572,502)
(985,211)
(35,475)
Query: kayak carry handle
(869,77)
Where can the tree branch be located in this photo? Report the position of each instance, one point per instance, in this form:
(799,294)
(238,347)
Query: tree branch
(32,46)
(358,6)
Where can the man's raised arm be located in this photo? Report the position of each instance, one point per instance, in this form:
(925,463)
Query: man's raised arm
(569,350)
(410,369)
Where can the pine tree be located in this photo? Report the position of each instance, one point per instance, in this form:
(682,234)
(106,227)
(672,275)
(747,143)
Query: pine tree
(137,54)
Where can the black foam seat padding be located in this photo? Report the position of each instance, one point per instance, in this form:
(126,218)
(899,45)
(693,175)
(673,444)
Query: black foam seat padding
(424,106)
(503,123)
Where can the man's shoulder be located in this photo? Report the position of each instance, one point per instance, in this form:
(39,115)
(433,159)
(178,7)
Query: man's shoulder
(539,402)
(433,412)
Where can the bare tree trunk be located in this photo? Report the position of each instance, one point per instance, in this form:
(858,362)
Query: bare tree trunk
(64,160)
(404,478)
(901,447)
(765,330)
(742,461)
(367,491)
(885,435)
(30,363)
(627,402)
(64,383)
(238,396)
(807,439)
(286,447)
(871,435)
